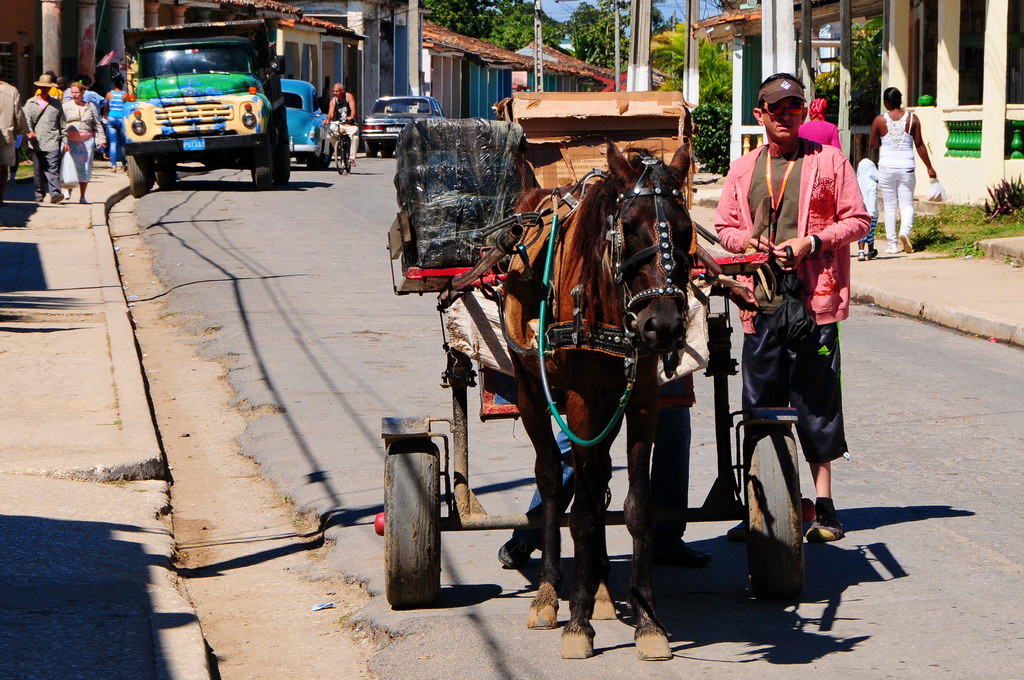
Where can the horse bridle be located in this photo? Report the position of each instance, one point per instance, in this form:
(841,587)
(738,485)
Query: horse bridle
(666,253)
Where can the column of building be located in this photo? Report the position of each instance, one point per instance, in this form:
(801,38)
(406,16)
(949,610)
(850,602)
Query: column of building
(87,38)
(51,35)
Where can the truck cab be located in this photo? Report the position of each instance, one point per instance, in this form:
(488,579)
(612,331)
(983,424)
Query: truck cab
(207,93)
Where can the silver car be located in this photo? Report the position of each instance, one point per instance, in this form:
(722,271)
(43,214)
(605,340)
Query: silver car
(387,118)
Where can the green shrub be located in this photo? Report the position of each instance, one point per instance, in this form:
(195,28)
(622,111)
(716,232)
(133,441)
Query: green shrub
(711,142)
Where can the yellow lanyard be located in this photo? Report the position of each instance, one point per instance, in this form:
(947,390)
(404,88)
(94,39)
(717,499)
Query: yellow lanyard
(774,215)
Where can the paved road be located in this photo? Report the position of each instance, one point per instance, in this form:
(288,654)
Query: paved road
(293,288)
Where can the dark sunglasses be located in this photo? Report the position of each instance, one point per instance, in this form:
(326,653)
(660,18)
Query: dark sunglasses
(793,107)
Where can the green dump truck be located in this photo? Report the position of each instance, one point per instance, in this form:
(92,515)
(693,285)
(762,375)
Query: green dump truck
(207,93)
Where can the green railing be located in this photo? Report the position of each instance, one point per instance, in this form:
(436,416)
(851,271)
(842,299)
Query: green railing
(1015,139)
(963,139)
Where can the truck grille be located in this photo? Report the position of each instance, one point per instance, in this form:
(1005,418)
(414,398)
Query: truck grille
(206,113)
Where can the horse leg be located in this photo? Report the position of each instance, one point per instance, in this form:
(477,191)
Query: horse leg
(604,606)
(586,522)
(548,470)
(641,421)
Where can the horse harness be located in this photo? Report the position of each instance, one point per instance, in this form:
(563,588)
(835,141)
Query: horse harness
(623,341)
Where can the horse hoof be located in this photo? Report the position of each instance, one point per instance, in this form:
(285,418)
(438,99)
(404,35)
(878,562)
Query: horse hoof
(544,617)
(577,645)
(651,647)
(604,608)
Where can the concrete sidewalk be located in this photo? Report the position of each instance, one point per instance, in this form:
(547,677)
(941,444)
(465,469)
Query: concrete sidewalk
(87,589)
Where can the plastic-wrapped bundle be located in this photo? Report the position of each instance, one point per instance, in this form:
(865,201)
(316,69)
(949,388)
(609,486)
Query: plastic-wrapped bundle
(454,178)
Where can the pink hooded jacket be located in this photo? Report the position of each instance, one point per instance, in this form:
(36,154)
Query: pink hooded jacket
(831,207)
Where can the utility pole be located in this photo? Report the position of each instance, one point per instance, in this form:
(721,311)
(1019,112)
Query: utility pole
(538,49)
(845,62)
(691,86)
(618,41)
(806,49)
(415,46)
(638,79)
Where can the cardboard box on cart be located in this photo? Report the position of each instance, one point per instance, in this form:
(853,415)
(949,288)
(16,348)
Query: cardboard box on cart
(567,132)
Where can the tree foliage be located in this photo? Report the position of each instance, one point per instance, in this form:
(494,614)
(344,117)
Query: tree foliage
(512,26)
(474,18)
(713,62)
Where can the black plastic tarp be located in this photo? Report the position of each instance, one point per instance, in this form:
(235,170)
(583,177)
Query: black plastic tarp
(454,178)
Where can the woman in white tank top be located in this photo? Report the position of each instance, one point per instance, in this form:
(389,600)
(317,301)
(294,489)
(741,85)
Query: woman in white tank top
(896,133)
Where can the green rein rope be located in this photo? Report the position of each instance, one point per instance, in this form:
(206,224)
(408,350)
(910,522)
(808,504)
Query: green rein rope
(541,351)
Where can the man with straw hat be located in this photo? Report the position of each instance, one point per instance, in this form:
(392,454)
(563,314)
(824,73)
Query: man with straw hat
(45,117)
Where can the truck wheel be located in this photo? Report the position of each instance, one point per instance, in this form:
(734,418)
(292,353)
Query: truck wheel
(262,168)
(140,177)
(167,178)
(282,165)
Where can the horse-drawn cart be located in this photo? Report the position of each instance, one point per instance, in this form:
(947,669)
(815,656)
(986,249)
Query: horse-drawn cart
(454,236)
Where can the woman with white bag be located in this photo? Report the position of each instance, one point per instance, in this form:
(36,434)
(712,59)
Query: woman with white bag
(84,135)
(896,133)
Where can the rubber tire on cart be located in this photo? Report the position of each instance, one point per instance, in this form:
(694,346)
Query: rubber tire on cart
(412,534)
(262,168)
(166,178)
(140,177)
(775,541)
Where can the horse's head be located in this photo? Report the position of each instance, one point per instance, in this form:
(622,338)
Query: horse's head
(652,243)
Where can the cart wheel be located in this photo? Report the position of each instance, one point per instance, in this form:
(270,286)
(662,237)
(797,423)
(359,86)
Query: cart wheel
(412,535)
(775,542)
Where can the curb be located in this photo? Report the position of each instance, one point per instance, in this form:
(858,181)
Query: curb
(182,647)
(951,317)
(136,416)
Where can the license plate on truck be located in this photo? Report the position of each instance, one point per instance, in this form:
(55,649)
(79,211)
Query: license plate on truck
(193,144)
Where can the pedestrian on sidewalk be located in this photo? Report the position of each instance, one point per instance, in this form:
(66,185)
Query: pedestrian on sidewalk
(12,124)
(896,133)
(867,179)
(83,133)
(815,210)
(817,129)
(114,111)
(45,117)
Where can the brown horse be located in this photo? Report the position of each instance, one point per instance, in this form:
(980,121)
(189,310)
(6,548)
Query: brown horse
(620,271)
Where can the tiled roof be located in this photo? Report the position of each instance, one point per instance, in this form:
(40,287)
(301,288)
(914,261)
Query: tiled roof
(265,5)
(329,26)
(439,37)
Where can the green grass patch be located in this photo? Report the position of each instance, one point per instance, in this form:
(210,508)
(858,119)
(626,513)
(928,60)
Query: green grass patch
(956,229)
(24,171)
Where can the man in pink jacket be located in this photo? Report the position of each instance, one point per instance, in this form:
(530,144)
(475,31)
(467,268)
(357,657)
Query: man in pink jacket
(813,209)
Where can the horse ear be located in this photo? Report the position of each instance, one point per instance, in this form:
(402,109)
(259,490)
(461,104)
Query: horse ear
(619,166)
(681,159)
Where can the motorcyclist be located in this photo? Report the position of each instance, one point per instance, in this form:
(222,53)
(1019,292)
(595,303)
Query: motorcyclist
(342,110)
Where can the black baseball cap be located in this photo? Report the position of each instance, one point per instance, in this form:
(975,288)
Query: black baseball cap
(779,89)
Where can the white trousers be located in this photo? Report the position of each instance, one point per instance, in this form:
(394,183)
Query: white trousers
(897,188)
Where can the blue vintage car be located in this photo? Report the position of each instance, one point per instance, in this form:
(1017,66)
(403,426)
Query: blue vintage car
(305,124)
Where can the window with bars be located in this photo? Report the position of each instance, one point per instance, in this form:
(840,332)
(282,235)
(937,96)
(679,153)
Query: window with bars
(7,62)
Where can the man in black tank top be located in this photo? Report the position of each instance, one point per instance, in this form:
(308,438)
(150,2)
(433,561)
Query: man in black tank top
(342,109)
